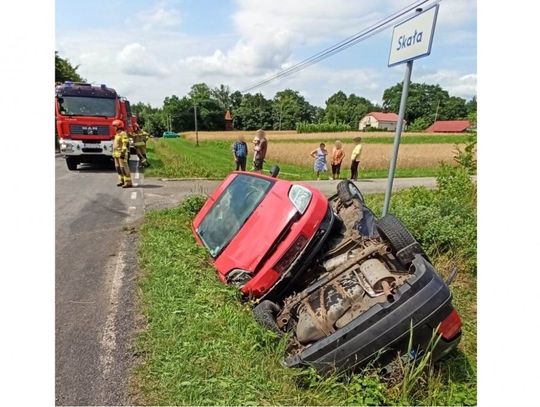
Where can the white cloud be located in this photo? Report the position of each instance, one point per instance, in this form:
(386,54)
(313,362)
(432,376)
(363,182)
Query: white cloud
(134,59)
(150,64)
(269,31)
(454,82)
(159,17)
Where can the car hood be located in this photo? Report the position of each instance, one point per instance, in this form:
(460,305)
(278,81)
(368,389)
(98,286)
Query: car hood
(266,227)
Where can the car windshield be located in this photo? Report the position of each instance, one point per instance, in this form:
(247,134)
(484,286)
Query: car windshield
(231,211)
(87,106)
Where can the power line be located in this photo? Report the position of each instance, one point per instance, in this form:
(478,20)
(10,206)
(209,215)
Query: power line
(344,44)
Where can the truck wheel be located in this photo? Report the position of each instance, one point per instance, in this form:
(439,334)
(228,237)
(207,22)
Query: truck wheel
(265,314)
(347,190)
(395,233)
(72,163)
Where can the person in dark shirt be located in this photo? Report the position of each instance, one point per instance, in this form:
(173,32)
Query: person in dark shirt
(240,152)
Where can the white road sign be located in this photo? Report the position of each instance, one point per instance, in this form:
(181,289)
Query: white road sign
(412,38)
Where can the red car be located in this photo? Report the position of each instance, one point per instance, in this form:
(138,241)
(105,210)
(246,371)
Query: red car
(259,230)
(366,286)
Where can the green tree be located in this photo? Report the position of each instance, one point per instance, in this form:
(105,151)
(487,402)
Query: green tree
(64,71)
(471,105)
(420,124)
(453,108)
(154,124)
(222,94)
(424,100)
(142,111)
(179,111)
(254,112)
(290,108)
(199,91)
(349,110)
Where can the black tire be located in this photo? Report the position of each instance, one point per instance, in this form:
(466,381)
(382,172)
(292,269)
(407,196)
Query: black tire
(347,190)
(395,233)
(265,314)
(72,163)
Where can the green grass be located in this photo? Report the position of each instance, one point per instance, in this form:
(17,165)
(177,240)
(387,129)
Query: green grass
(180,158)
(202,346)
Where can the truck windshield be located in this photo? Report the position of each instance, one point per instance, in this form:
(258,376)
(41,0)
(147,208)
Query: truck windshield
(231,211)
(87,106)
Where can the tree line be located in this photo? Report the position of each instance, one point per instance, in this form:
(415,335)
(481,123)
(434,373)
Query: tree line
(287,109)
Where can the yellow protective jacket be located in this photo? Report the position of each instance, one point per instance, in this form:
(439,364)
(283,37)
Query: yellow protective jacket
(139,138)
(120,144)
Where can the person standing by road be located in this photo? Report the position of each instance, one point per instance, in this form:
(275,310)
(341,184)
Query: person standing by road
(355,157)
(119,153)
(320,160)
(337,157)
(240,152)
(139,142)
(260,146)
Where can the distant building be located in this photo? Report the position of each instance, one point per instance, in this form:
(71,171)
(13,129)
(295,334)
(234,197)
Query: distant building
(379,120)
(449,126)
(228,121)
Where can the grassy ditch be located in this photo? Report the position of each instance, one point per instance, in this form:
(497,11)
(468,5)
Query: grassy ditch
(181,158)
(201,346)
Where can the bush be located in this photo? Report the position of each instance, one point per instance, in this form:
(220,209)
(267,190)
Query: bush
(420,124)
(467,157)
(305,127)
(443,221)
(370,129)
(193,204)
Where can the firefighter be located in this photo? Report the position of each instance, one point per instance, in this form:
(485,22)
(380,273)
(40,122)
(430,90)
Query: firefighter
(120,151)
(139,141)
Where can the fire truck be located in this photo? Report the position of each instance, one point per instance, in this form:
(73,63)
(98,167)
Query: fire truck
(84,116)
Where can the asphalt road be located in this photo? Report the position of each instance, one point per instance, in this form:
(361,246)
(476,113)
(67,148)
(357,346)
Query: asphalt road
(95,281)
(164,192)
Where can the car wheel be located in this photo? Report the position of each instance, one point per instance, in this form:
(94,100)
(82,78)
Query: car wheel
(72,163)
(400,239)
(265,314)
(347,190)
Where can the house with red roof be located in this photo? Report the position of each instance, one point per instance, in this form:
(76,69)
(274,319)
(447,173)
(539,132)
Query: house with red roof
(449,126)
(379,120)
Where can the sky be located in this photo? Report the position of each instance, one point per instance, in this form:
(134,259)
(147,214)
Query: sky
(148,50)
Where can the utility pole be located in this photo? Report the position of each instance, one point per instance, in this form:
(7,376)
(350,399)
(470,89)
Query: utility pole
(196,128)
(437,110)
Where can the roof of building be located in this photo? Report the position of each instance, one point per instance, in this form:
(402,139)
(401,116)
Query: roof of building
(228,115)
(449,126)
(384,117)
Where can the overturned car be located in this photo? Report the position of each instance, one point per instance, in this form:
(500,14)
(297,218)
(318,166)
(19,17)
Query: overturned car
(352,288)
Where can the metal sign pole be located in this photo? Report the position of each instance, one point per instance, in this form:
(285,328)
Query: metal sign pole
(397,137)
(196,130)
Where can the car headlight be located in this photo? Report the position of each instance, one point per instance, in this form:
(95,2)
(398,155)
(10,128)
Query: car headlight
(300,197)
(238,277)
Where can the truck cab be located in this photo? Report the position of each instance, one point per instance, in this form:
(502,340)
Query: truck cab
(84,115)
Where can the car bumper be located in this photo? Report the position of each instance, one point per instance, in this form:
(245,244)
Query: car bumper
(79,147)
(383,330)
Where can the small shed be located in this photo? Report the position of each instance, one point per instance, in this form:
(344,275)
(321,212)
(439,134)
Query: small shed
(449,126)
(379,120)
(228,121)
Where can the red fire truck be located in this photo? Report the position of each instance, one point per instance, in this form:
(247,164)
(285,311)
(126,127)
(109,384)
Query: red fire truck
(84,116)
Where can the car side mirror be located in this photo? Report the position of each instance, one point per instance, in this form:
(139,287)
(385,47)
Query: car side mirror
(274,171)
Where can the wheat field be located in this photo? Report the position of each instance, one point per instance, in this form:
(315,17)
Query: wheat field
(373,156)
(293,135)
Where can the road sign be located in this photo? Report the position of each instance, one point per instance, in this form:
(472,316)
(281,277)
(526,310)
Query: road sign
(412,38)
